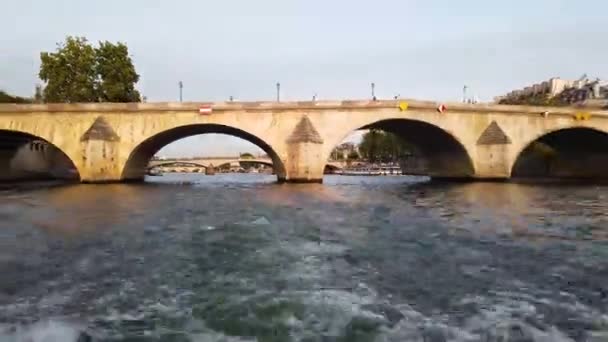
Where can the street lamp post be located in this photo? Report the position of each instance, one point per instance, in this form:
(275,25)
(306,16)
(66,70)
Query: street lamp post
(278,92)
(181,86)
(374,91)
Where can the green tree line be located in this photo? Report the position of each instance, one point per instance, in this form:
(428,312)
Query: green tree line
(8,98)
(383,147)
(378,146)
(80,72)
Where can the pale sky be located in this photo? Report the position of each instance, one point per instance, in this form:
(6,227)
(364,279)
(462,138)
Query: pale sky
(334,48)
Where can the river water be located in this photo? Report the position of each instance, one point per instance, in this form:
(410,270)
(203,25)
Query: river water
(239,258)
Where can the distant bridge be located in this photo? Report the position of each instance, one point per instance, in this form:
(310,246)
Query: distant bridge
(178,164)
(205,162)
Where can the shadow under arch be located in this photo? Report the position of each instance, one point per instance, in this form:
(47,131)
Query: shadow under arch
(329,168)
(573,152)
(137,163)
(24,156)
(438,153)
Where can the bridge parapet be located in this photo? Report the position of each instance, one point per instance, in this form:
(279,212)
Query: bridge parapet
(160,107)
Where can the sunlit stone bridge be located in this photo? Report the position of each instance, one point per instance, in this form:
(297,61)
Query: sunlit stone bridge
(107,142)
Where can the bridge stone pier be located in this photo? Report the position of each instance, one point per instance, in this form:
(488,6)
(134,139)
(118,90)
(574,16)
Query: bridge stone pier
(115,142)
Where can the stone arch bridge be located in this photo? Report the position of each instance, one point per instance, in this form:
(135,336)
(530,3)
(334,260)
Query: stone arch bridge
(115,142)
(205,162)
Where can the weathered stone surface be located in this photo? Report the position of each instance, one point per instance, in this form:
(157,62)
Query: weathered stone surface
(305,132)
(100,130)
(493,135)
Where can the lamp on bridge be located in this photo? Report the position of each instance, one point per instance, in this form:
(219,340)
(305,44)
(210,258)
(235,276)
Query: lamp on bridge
(373,91)
(181,86)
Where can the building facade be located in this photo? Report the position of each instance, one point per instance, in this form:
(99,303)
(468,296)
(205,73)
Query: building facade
(556,91)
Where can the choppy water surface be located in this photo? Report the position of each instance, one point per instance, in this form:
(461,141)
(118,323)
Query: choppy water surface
(238,258)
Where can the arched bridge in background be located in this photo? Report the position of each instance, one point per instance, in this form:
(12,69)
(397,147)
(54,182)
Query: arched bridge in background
(178,164)
(107,142)
(218,162)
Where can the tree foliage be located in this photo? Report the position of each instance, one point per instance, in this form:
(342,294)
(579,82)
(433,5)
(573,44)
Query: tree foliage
(535,100)
(117,76)
(79,72)
(384,147)
(69,72)
(8,98)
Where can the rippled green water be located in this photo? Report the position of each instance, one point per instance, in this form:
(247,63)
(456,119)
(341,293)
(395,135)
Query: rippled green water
(239,258)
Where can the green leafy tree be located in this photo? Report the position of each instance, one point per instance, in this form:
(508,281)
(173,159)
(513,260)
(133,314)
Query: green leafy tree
(353,155)
(79,72)
(378,146)
(370,144)
(247,155)
(69,72)
(117,75)
(8,98)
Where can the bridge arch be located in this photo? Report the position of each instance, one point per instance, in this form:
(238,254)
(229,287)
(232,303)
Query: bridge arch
(252,161)
(567,152)
(441,154)
(139,158)
(177,164)
(331,168)
(26,156)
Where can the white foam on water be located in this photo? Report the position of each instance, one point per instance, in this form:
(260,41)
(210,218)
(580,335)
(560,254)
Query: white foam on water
(331,310)
(494,322)
(496,317)
(260,221)
(14,309)
(46,331)
(568,302)
(309,264)
(492,325)
(218,337)
(55,299)
(198,331)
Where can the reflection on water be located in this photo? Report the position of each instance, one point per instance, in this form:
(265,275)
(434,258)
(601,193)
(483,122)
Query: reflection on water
(239,258)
